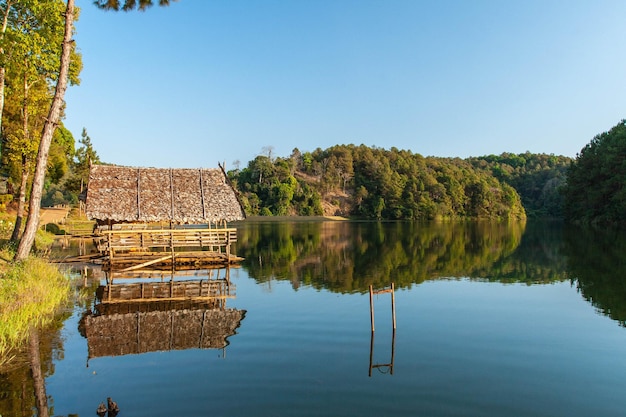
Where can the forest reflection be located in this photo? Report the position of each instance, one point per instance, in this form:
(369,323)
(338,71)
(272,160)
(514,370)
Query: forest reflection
(596,264)
(349,256)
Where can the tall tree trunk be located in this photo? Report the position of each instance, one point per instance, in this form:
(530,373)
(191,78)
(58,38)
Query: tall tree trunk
(2,77)
(25,167)
(28,238)
(5,22)
(21,205)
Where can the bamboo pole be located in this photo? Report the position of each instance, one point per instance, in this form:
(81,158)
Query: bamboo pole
(393,306)
(372,306)
(153,261)
(393,303)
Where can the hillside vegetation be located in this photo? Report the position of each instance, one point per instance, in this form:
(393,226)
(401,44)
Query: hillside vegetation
(596,182)
(375,183)
(539,179)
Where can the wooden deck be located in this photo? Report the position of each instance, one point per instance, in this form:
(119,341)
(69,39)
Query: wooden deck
(136,246)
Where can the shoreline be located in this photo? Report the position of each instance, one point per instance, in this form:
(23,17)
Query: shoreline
(294,218)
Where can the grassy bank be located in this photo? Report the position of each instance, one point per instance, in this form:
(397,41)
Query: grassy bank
(30,293)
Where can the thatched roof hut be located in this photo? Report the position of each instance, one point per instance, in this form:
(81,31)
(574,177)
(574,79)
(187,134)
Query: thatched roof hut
(132,194)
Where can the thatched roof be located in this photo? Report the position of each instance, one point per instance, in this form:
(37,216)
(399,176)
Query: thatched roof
(132,333)
(132,194)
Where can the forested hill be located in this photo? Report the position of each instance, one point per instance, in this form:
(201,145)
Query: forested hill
(375,183)
(538,178)
(596,190)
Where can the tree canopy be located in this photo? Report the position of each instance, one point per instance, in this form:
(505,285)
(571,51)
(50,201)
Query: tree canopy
(596,181)
(128,5)
(374,183)
(538,179)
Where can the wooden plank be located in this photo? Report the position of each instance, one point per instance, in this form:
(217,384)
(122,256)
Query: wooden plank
(131,268)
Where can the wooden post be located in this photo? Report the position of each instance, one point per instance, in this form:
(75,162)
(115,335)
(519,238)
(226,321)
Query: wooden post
(393,306)
(228,247)
(393,303)
(372,306)
(172,246)
(110,248)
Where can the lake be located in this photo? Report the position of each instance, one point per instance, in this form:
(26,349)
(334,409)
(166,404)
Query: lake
(493,319)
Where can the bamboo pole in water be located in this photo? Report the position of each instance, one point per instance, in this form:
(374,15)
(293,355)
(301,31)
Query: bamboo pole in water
(393,303)
(393,306)
(372,306)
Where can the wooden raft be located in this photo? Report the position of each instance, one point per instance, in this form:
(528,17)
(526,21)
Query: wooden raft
(131,248)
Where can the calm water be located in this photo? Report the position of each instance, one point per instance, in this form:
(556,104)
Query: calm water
(492,320)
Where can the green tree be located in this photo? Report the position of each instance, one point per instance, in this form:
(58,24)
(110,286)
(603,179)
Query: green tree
(128,5)
(537,178)
(31,31)
(596,183)
(54,114)
(61,155)
(85,156)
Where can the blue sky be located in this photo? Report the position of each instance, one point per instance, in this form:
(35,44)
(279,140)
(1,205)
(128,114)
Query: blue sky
(208,81)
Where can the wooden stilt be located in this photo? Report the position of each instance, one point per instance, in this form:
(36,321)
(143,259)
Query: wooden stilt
(372,307)
(393,306)
(393,303)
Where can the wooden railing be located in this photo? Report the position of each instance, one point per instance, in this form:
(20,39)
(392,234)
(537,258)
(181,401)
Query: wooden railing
(126,240)
(164,245)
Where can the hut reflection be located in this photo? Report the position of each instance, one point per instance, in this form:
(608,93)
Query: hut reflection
(186,311)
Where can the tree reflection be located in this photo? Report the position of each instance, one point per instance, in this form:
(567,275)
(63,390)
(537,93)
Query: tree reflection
(22,388)
(39,384)
(539,258)
(597,265)
(350,256)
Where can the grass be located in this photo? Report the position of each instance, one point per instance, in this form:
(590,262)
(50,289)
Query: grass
(31,291)
(76,224)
